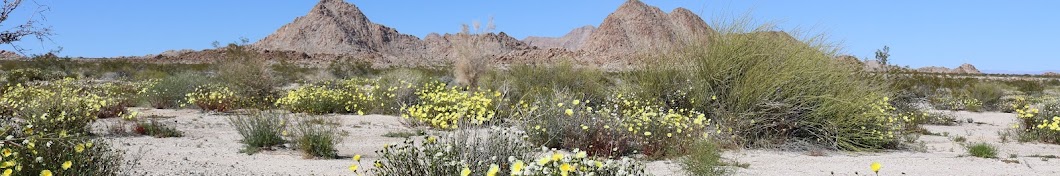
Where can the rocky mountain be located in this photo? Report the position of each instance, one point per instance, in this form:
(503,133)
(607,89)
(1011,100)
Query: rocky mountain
(333,27)
(10,55)
(963,69)
(1051,74)
(571,41)
(636,27)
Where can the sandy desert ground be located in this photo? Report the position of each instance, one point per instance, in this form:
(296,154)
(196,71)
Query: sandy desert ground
(211,147)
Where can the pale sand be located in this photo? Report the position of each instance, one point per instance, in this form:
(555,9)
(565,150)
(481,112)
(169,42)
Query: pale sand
(211,147)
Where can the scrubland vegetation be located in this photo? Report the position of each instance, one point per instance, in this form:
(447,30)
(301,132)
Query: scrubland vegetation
(748,89)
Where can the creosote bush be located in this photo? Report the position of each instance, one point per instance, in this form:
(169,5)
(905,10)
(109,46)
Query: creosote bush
(315,137)
(169,92)
(260,130)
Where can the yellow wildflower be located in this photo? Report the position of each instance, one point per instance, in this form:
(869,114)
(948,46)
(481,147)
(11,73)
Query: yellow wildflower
(557,156)
(357,157)
(7,172)
(45,173)
(6,152)
(564,168)
(465,172)
(647,133)
(575,102)
(876,167)
(569,112)
(493,170)
(517,167)
(543,161)
(79,148)
(67,164)
(580,154)
(353,167)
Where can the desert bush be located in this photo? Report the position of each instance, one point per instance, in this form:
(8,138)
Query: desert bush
(446,107)
(474,51)
(1039,124)
(260,130)
(988,94)
(287,72)
(776,89)
(493,152)
(982,150)
(659,84)
(348,68)
(1027,86)
(617,128)
(525,82)
(213,97)
(956,101)
(353,95)
(170,92)
(27,75)
(704,160)
(155,129)
(402,84)
(62,105)
(46,131)
(248,75)
(316,139)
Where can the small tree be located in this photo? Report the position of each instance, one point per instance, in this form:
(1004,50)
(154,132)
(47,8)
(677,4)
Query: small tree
(31,26)
(882,55)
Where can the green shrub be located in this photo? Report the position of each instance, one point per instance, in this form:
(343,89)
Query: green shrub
(989,94)
(248,75)
(1040,124)
(287,72)
(982,150)
(402,85)
(776,89)
(260,130)
(170,92)
(155,129)
(522,82)
(704,160)
(213,97)
(27,75)
(347,68)
(316,139)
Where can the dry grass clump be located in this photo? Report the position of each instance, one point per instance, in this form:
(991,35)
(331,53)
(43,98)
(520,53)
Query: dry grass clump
(260,130)
(474,51)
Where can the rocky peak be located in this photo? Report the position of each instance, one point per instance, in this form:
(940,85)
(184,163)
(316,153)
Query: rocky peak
(966,69)
(571,41)
(635,28)
(337,27)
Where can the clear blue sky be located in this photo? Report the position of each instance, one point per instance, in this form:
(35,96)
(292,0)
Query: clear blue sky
(993,35)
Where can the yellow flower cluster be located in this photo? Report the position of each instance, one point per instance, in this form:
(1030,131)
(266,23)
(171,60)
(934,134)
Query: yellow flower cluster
(443,107)
(212,98)
(59,105)
(354,95)
(1053,124)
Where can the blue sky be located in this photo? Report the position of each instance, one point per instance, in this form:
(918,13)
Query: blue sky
(1012,36)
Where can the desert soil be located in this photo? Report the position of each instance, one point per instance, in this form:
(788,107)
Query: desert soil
(211,147)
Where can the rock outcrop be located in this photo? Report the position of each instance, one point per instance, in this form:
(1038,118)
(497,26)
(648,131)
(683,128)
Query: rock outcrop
(637,28)
(337,27)
(963,69)
(10,55)
(571,41)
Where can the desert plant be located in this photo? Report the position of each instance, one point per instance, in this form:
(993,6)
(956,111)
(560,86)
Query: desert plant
(704,160)
(446,107)
(347,68)
(527,82)
(474,51)
(155,129)
(402,84)
(169,92)
(988,94)
(982,150)
(247,74)
(777,89)
(353,95)
(62,105)
(260,130)
(213,97)
(316,139)
(474,150)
